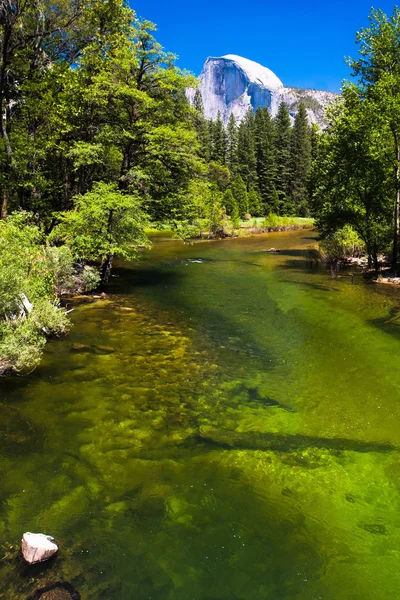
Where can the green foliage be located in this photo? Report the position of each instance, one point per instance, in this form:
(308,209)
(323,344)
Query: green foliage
(301,161)
(276,222)
(90,278)
(232,144)
(341,244)
(352,180)
(219,175)
(206,212)
(235,216)
(218,140)
(246,150)
(266,159)
(283,158)
(254,203)
(105,221)
(229,202)
(239,193)
(29,309)
(309,102)
(201,126)
(378,71)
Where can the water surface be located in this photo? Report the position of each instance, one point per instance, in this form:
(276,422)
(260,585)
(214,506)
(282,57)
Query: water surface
(225,426)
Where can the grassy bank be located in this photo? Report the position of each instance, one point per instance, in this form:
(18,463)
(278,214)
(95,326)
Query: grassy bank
(275,223)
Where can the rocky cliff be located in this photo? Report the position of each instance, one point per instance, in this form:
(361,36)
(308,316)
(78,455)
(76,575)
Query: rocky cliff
(232,84)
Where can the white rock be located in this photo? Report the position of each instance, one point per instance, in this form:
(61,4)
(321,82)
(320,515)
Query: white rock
(232,84)
(37,547)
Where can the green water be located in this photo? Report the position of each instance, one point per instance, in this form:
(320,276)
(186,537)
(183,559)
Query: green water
(229,431)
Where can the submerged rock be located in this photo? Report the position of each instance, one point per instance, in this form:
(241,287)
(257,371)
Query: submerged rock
(37,547)
(58,591)
(80,348)
(105,349)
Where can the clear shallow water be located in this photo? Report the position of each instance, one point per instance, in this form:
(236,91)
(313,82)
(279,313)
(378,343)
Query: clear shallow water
(233,435)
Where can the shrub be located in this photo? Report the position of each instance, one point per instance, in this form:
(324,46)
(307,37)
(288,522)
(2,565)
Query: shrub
(341,244)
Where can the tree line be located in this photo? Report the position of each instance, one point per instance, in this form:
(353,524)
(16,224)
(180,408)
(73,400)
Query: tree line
(261,164)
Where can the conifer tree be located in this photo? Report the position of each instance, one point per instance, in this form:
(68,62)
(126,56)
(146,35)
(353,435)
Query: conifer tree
(300,161)
(232,144)
(247,162)
(254,201)
(239,192)
(218,140)
(265,152)
(229,201)
(235,216)
(283,155)
(315,134)
(201,126)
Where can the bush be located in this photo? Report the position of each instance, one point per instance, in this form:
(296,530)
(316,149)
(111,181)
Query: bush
(90,278)
(30,272)
(340,245)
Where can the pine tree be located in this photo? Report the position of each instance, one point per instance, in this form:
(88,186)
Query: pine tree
(218,140)
(283,156)
(301,161)
(232,144)
(255,205)
(239,192)
(229,201)
(201,126)
(247,162)
(235,216)
(265,152)
(315,135)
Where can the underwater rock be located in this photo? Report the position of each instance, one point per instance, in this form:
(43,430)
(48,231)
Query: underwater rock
(105,349)
(58,591)
(277,442)
(80,348)
(37,547)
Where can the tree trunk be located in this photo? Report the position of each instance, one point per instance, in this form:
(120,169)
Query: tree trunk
(396,205)
(4,204)
(375,256)
(105,269)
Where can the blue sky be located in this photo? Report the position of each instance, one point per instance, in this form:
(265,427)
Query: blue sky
(303,42)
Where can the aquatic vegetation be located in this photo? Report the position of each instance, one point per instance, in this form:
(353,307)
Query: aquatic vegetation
(180,444)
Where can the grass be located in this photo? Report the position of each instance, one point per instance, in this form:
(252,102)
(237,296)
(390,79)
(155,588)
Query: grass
(275,223)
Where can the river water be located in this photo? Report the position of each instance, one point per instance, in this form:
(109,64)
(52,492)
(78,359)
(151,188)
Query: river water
(224,426)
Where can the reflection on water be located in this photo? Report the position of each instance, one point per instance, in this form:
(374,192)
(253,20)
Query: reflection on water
(224,426)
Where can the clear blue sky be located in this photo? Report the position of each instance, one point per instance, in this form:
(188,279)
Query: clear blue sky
(303,42)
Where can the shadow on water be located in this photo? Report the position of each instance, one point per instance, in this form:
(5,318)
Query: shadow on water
(214,324)
(315,286)
(255,440)
(390,324)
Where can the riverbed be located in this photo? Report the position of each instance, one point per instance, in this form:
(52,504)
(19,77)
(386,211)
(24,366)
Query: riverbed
(223,426)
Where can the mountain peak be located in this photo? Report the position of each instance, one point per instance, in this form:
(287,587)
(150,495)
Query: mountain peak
(232,84)
(256,72)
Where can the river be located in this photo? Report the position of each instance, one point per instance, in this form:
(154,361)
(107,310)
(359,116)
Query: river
(224,426)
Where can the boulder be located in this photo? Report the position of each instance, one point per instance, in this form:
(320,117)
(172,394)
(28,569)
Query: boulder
(37,547)
(58,591)
(80,348)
